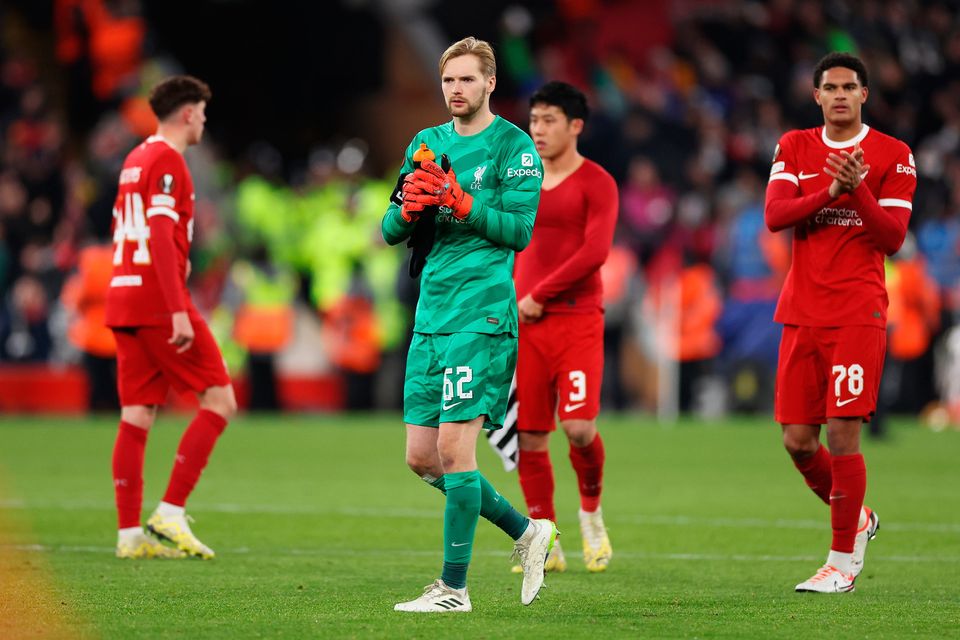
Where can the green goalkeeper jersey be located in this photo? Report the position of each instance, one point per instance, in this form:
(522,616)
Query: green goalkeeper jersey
(467,283)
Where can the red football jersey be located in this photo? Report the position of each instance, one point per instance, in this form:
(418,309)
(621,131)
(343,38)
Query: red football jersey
(571,240)
(837,274)
(149,271)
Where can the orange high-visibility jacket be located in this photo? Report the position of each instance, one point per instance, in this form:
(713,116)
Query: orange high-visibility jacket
(85,294)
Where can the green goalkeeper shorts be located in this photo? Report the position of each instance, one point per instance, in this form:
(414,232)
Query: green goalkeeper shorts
(457,377)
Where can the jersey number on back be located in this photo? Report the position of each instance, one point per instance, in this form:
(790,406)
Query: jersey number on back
(130,225)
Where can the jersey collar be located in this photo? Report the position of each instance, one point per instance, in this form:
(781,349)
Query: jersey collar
(843,144)
(158,138)
(478,134)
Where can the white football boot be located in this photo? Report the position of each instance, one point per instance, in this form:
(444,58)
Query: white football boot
(866,531)
(828,579)
(556,561)
(532,550)
(438,598)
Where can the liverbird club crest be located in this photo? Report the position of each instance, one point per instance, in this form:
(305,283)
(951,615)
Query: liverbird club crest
(478,178)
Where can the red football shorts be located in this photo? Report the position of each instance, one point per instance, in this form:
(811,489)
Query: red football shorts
(147,365)
(828,372)
(559,370)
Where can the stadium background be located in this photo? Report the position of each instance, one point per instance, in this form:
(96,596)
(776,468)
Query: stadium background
(318,525)
(306,128)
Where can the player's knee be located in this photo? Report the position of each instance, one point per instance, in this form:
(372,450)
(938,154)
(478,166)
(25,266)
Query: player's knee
(452,458)
(226,408)
(448,459)
(141,416)
(843,440)
(800,448)
(220,400)
(534,440)
(580,432)
(230,406)
(423,465)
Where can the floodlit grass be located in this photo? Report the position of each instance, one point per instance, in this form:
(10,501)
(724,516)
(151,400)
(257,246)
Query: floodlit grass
(319,529)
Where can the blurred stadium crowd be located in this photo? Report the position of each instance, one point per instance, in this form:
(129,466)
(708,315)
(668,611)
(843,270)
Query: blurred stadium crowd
(689,101)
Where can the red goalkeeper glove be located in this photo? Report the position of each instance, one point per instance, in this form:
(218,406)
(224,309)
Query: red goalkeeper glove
(448,191)
(415,199)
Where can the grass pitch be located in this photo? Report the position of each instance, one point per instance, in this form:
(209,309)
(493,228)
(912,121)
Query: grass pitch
(319,529)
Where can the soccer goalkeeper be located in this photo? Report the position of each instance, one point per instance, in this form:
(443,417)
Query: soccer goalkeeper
(464,346)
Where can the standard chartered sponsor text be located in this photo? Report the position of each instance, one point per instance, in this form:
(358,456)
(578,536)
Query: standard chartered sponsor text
(838,217)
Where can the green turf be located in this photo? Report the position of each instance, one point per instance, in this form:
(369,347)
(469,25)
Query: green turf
(320,529)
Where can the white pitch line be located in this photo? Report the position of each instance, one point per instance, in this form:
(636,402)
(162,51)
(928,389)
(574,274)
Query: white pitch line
(679,557)
(226,507)
(780,523)
(436,514)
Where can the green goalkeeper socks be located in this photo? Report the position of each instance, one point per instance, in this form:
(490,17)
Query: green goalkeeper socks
(459,525)
(493,506)
(498,510)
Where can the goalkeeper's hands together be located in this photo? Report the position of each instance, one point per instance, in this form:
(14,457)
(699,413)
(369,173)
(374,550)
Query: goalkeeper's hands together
(414,199)
(441,188)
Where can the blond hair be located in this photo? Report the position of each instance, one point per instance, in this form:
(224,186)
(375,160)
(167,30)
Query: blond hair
(472,46)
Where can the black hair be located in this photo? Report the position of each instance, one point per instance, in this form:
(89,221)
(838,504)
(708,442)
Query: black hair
(840,59)
(565,96)
(176,91)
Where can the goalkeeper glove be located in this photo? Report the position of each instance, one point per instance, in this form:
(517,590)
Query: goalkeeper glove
(396,197)
(424,232)
(412,200)
(448,192)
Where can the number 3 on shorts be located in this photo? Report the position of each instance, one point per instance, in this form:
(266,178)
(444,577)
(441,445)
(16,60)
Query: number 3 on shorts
(464,376)
(578,379)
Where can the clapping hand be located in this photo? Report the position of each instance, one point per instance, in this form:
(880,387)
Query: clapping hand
(847,170)
(448,192)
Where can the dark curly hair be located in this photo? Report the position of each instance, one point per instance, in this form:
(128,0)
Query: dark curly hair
(176,91)
(840,59)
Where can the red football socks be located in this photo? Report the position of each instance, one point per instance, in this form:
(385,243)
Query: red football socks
(846,499)
(817,471)
(588,463)
(536,480)
(128,473)
(192,455)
